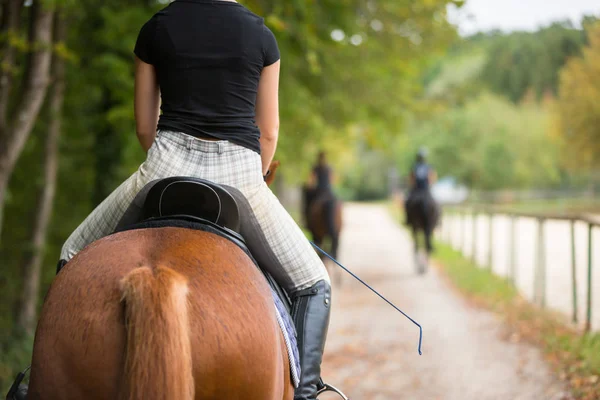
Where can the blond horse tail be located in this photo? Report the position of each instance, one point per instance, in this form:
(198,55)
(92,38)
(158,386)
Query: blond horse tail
(158,360)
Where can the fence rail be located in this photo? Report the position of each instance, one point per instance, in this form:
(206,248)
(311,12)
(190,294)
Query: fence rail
(455,228)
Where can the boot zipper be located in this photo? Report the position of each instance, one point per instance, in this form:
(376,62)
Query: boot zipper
(299,320)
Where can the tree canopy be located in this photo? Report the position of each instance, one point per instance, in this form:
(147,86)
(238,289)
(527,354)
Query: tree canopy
(530,61)
(490,104)
(578,106)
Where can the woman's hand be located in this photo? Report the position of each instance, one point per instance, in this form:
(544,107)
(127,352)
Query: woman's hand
(270,175)
(146,103)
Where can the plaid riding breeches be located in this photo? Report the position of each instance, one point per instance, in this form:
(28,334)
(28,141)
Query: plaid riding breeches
(222,162)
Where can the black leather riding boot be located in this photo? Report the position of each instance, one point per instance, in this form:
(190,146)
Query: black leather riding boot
(60,265)
(310,311)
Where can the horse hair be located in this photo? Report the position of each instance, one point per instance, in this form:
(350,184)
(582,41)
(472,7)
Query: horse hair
(158,361)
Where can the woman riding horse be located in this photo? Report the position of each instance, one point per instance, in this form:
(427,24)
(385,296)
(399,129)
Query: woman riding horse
(322,210)
(215,66)
(420,207)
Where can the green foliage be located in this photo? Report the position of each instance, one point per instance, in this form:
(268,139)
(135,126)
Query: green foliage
(523,61)
(578,106)
(488,143)
(507,138)
(368,179)
(474,280)
(328,86)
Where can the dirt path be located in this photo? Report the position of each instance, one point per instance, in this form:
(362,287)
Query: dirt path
(372,350)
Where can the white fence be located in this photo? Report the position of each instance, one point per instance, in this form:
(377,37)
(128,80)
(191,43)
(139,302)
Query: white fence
(553,260)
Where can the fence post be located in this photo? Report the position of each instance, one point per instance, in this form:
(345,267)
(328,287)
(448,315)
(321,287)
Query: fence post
(460,234)
(588,317)
(474,238)
(463,248)
(447,229)
(513,251)
(539,281)
(456,230)
(447,222)
(490,254)
(574,272)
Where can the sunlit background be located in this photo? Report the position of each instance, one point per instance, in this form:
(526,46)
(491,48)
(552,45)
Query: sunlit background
(503,94)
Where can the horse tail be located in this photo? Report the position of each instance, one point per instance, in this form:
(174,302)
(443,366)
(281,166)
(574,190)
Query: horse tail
(158,360)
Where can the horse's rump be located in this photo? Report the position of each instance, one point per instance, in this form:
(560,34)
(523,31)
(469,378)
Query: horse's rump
(323,212)
(422,210)
(237,350)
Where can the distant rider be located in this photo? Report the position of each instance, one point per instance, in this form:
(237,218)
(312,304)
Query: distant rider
(319,187)
(322,176)
(421,177)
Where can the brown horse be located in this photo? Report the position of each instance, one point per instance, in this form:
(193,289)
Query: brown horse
(323,218)
(156,314)
(422,214)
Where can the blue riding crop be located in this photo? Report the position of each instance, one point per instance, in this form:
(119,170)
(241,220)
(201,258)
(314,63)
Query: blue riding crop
(374,291)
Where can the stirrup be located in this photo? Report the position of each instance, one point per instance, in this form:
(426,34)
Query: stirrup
(322,387)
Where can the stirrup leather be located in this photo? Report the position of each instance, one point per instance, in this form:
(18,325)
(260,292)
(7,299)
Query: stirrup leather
(323,388)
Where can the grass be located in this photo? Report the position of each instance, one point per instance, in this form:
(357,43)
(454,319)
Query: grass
(472,280)
(575,356)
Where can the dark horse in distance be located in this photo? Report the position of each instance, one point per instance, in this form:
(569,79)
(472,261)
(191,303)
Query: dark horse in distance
(322,210)
(422,211)
(322,217)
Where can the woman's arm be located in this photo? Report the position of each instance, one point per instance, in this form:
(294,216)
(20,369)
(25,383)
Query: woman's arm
(146,103)
(312,180)
(267,113)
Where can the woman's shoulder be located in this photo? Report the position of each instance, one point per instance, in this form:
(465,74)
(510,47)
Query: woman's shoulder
(160,13)
(252,17)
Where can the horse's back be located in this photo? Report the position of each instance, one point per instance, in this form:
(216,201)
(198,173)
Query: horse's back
(324,214)
(422,210)
(237,348)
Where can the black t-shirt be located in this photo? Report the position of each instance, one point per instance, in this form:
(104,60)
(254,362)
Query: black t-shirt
(208,55)
(323,176)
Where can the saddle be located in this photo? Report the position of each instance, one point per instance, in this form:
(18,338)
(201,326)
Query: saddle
(194,203)
(204,205)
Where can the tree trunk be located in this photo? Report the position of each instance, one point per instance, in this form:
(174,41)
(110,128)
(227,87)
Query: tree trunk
(9,26)
(33,261)
(14,134)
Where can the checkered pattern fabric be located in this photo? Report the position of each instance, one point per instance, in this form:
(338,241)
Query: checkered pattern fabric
(177,154)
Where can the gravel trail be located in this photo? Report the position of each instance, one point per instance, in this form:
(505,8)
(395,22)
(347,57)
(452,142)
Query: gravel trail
(372,350)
